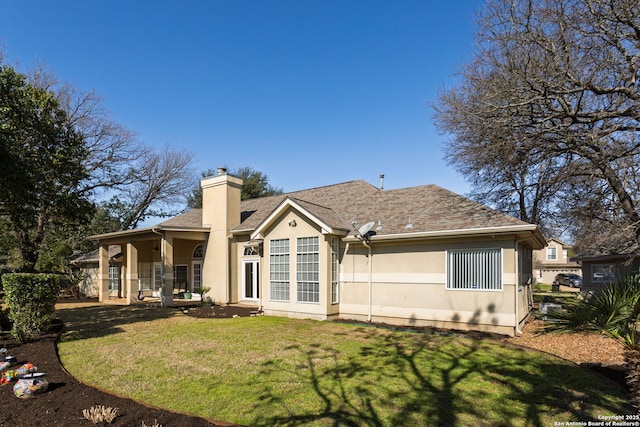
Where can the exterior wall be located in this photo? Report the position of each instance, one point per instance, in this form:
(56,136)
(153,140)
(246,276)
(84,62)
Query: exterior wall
(408,282)
(525,280)
(409,288)
(90,284)
(293,308)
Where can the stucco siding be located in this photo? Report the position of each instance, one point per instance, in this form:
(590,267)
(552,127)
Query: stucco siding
(284,229)
(409,286)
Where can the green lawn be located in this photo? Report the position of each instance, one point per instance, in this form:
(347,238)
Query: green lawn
(264,371)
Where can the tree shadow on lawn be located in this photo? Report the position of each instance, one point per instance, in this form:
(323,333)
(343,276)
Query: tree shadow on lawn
(102,320)
(423,379)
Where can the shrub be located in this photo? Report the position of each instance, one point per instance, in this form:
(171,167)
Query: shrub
(30,300)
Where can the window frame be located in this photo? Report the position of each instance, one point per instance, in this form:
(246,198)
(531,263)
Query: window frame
(308,270)
(279,270)
(198,252)
(115,277)
(493,273)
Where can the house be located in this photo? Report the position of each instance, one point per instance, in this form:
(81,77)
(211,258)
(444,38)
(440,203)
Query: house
(87,266)
(420,256)
(604,265)
(553,259)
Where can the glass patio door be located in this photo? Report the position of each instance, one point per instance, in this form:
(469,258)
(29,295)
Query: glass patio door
(196,275)
(114,279)
(251,279)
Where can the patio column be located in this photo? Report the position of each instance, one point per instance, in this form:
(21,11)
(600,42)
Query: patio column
(166,295)
(103,273)
(131,286)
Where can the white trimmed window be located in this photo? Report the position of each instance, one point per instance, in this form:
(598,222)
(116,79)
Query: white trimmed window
(196,275)
(335,269)
(474,269)
(552,253)
(114,277)
(198,252)
(279,269)
(308,269)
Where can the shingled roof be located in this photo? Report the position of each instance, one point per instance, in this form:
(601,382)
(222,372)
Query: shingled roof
(408,210)
(403,212)
(426,208)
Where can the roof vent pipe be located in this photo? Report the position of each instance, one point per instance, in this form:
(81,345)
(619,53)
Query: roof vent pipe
(382,181)
(222,171)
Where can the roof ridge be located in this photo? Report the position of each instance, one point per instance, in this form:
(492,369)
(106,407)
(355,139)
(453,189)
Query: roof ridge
(332,185)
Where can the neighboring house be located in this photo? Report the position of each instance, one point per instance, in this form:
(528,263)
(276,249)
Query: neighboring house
(430,257)
(600,266)
(88,266)
(553,259)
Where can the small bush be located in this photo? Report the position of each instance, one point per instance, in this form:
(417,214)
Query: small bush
(30,300)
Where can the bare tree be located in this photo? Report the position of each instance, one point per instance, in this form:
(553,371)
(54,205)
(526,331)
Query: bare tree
(159,183)
(112,148)
(553,88)
(62,135)
(137,180)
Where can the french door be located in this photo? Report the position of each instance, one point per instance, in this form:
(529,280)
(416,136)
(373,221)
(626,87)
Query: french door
(251,279)
(196,275)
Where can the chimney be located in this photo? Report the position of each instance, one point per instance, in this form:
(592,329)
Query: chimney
(221,213)
(382,181)
(221,201)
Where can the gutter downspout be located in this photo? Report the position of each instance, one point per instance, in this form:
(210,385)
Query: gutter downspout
(370,255)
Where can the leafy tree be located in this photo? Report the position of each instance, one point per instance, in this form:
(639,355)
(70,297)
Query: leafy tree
(42,157)
(254,184)
(614,310)
(101,165)
(549,108)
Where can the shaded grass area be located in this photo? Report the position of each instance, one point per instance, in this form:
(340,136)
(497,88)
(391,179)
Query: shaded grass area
(266,371)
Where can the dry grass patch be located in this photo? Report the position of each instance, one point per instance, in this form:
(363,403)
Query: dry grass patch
(99,414)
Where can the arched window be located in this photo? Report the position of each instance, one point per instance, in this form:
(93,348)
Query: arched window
(198,252)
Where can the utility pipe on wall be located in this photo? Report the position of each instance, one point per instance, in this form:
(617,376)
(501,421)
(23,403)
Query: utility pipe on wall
(516,327)
(370,256)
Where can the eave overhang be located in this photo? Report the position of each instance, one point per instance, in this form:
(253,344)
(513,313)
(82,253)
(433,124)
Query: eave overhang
(526,232)
(146,230)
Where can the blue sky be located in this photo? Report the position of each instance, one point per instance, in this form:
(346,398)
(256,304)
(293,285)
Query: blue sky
(310,92)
